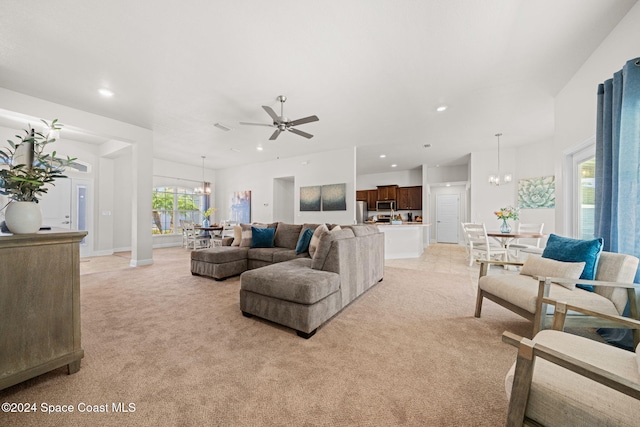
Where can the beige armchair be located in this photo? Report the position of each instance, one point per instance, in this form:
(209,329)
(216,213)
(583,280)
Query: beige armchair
(568,380)
(523,294)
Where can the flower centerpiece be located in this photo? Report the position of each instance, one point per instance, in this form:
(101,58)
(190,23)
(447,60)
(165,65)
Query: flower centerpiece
(206,214)
(504,214)
(26,169)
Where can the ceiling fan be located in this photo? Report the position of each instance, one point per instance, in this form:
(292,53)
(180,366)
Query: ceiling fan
(282,123)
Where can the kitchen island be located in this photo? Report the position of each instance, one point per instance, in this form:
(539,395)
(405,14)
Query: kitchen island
(406,240)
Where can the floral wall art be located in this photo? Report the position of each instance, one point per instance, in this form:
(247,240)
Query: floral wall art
(537,193)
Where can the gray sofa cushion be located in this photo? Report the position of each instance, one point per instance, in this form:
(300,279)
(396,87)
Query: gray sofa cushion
(264,254)
(302,285)
(288,254)
(364,230)
(326,239)
(287,235)
(220,254)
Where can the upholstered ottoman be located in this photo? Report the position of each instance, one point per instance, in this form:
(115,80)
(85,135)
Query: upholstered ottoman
(219,262)
(291,293)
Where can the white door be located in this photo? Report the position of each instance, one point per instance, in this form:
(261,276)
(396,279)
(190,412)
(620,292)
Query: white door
(67,205)
(56,205)
(447,218)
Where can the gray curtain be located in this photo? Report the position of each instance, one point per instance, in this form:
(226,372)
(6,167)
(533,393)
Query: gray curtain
(617,205)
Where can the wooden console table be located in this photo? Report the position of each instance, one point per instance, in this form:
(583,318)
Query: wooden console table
(39,304)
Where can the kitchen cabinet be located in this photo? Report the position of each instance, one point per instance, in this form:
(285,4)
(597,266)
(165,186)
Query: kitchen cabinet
(372,198)
(387,192)
(362,195)
(40,304)
(409,198)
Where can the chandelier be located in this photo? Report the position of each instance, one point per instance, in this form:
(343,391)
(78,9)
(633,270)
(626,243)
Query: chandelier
(497,179)
(205,189)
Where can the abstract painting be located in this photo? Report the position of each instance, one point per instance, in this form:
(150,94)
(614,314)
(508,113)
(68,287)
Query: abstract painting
(334,197)
(537,193)
(241,207)
(310,198)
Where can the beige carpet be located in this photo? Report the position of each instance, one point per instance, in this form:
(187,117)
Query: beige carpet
(408,352)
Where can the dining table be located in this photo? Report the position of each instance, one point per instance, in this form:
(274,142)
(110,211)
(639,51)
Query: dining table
(505,239)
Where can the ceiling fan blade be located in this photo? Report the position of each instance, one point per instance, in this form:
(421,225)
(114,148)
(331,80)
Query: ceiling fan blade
(271,113)
(275,134)
(256,124)
(304,120)
(299,132)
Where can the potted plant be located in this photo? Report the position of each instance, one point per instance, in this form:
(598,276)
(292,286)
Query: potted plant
(25,172)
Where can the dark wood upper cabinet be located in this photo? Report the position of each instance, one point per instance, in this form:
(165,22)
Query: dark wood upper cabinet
(387,192)
(362,195)
(372,198)
(409,198)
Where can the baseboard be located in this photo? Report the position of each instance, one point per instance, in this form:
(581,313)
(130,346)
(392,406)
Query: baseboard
(140,262)
(103,253)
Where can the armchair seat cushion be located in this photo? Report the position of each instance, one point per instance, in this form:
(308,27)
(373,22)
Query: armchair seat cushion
(522,291)
(561,397)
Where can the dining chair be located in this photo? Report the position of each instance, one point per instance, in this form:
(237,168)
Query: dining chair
(478,244)
(526,244)
(192,238)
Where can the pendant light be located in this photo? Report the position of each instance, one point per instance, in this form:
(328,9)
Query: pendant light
(498,179)
(204,189)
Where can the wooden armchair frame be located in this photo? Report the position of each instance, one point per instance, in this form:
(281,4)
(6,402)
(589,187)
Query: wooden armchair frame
(528,351)
(540,318)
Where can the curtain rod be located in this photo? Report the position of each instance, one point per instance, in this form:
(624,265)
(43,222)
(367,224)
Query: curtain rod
(176,178)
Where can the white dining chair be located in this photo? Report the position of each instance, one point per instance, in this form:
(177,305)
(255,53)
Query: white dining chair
(526,244)
(478,244)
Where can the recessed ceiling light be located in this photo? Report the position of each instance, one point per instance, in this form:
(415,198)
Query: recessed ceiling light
(441,108)
(394,165)
(259,148)
(105,92)
(382,156)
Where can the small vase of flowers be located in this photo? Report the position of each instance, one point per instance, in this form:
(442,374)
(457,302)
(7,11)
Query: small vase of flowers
(504,214)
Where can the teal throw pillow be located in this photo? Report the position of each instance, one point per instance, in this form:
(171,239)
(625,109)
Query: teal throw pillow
(575,250)
(303,241)
(262,237)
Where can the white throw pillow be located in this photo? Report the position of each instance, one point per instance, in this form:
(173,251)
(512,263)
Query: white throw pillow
(237,235)
(315,239)
(546,267)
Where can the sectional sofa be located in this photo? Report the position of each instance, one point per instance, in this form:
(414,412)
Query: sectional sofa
(300,291)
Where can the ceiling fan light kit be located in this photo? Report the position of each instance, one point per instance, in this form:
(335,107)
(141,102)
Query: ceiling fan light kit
(282,123)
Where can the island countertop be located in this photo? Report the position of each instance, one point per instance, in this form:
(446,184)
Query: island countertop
(404,240)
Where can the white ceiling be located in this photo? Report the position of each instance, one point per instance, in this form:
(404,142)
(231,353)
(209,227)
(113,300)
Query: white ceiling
(373,71)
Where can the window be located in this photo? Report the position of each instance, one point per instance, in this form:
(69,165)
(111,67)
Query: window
(580,184)
(172,204)
(586,198)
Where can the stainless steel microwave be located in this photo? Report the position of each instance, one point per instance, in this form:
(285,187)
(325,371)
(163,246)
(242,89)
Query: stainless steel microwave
(385,205)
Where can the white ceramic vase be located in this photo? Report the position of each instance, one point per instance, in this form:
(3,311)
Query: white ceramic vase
(23,217)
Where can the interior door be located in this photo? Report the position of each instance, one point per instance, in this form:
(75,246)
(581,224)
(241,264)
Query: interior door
(67,205)
(447,218)
(56,205)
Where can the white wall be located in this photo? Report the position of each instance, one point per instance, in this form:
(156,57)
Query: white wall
(332,167)
(575,105)
(141,167)
(456,173)
(406,178)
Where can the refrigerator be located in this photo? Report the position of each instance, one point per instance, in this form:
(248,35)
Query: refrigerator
(361,212)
